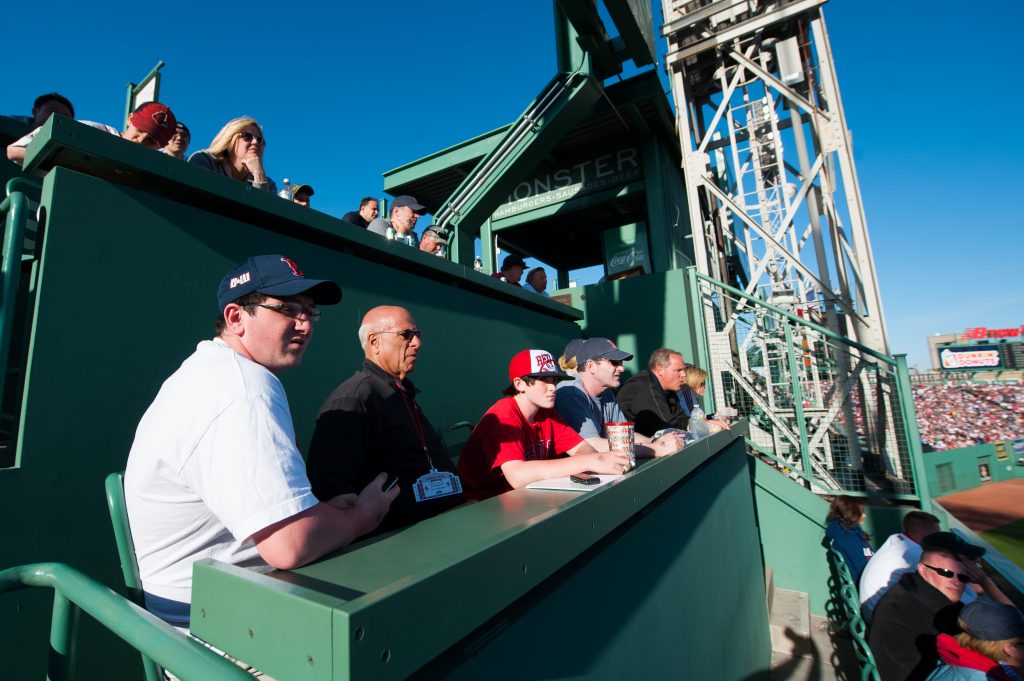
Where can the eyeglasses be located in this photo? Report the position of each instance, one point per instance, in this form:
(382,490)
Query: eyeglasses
(293,310)
(407,335)
(613,362)
(249,137)
(948,574)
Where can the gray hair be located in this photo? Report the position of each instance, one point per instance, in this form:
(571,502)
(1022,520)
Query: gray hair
(661,358)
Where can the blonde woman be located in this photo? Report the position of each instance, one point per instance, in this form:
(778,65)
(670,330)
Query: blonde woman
(237,152)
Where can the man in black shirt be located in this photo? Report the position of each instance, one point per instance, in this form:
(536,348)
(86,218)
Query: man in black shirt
(371,424)
(366,213)
(650,398)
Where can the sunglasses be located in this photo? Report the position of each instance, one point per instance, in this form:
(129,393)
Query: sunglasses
(249,137)
(407,335)
(948,574)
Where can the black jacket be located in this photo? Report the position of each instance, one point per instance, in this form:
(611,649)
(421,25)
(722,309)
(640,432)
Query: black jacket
(650,408)
(904,626)
(364,428)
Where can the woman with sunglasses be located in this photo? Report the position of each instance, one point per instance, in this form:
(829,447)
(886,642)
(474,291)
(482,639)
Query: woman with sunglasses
(845,514)
(237,152)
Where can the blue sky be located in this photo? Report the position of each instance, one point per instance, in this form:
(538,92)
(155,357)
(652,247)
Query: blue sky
(346,91)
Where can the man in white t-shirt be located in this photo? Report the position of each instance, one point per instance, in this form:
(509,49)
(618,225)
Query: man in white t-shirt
(896,557)
(214,471)
(151,124)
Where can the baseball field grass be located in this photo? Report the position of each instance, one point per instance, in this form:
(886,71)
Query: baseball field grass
(1008,540)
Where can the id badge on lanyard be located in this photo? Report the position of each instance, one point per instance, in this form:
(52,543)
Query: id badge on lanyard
(435,484)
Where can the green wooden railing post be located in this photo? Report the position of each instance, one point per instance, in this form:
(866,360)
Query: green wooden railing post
(16,208)
(798,401)
(63,634)
(906,396)
(701,350)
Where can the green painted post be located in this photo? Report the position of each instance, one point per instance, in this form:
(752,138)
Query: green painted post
(16,207)
(701,342)
(798,402)
(906,395)
(63,630)
(487,247)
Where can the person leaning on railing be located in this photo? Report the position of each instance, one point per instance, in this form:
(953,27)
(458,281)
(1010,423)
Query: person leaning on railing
(151,124)
(237,152)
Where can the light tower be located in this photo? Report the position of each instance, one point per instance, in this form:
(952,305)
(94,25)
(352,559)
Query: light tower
(776,211)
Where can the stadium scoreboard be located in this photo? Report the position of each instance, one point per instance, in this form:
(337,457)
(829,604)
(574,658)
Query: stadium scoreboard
(983,349)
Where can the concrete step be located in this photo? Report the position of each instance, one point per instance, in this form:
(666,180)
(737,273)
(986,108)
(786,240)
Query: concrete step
(819,656)
(769,587)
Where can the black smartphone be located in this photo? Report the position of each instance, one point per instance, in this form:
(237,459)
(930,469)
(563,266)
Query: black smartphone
(585,478)
(389,483)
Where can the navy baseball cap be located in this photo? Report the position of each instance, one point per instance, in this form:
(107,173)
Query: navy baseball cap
(274,275)
(991,621)
(512,261)
(594,348)
(948,541)
(406,200)
(572,347)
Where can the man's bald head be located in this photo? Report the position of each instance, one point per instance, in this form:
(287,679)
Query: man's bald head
(380,318)
(390,339)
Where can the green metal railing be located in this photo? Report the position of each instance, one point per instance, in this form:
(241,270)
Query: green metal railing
(832,413)
(73,592)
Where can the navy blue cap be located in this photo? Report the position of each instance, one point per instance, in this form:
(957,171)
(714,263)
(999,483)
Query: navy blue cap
(991,621)
(572,347)
(277,276)
(952,543)
(406,200)
(594,348)
(512,261)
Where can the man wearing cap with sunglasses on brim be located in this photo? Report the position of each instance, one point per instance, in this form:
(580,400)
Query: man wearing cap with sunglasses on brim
(512,268)
(214,471)
(587,402)
(301,194)
(400,224)
(434,241)
(521,438)
(372,424)
(925,603)
(151,124)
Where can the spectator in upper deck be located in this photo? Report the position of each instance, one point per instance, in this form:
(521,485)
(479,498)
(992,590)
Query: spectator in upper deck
(537,282)
(365,215)
(512,268)
(151,124)
(237,152)
(301,194)
(434,241)
(405,211)
(44,106)
(178,144)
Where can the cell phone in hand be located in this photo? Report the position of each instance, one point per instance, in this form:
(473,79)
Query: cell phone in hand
(389,483)
(585,479)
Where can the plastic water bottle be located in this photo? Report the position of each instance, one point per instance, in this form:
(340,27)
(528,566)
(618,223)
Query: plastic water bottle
(698,426)
(286,190)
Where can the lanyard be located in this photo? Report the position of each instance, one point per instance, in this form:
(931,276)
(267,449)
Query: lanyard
(412,409)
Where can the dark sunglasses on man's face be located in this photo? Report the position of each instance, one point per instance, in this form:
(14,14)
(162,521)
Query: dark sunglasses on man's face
(407,335)
(948,574)
(249,137)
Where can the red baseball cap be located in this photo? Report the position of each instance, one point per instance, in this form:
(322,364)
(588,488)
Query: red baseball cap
(534,364)
(156,120)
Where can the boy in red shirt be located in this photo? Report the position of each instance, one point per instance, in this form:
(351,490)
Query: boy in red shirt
(519,439)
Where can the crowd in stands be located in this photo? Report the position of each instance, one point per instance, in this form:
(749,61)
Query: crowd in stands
(236,151)
(958,415)
(932,611)
(375,463)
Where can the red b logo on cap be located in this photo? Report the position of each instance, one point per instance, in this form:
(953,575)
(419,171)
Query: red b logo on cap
(295,268)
